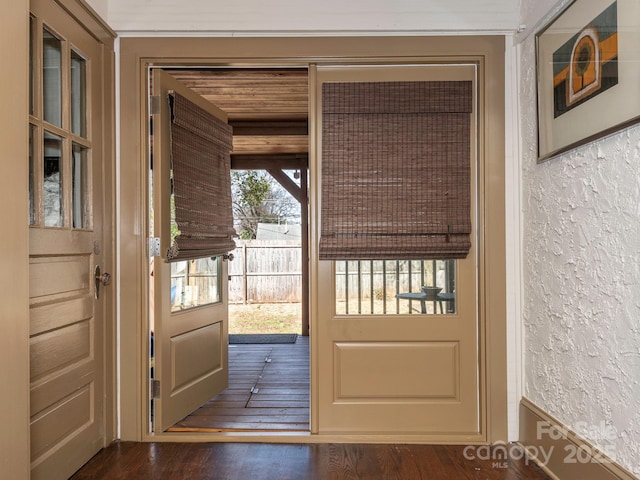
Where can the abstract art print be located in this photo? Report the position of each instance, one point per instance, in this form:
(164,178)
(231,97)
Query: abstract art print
(588,74)
(587,64)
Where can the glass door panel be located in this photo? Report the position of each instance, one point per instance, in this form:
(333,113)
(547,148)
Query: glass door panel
(52,190)
(195,283)
(52,78)
(32,208)
(78,95)
(80,186)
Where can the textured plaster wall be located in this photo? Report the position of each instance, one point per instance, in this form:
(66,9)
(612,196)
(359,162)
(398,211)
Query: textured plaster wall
(581,280)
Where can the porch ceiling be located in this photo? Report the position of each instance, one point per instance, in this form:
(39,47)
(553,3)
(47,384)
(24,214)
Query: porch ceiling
(267,107)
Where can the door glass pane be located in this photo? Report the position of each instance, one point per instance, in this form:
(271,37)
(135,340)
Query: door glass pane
(32,211)
(52,78)
(52,194)
(78,95)
(195,283)
(80,186)
(31,45)
(395,287)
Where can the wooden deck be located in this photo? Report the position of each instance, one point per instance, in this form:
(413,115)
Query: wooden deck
(268,391)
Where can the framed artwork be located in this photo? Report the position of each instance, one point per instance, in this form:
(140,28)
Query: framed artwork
(588,67)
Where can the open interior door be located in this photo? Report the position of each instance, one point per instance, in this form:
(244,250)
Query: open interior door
(70,251)
(189,311)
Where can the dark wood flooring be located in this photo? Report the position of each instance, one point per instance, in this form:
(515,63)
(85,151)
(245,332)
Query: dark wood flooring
(237,461)
(268,391)
(280,401)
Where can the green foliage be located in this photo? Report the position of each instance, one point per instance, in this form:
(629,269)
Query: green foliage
(252,187)
(175,231)
(258,198)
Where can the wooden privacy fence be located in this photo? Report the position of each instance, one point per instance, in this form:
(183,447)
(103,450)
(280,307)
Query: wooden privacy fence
(266,271)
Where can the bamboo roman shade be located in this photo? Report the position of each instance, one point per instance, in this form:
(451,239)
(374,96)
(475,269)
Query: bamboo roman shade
(201,162)
(396,170)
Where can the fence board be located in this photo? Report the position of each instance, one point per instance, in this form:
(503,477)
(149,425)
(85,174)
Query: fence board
(266,271)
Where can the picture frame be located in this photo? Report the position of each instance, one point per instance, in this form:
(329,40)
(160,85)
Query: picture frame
(588,74)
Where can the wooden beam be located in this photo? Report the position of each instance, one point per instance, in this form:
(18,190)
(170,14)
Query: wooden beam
(270,144)
(296,161)
(274,127)
(286,182)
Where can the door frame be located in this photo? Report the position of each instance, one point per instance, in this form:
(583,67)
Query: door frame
(136,54)
(14,254)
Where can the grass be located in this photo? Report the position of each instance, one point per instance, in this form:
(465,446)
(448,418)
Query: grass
(286,317)
(265,318)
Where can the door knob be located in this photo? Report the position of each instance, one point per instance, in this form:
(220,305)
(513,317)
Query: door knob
(101,279)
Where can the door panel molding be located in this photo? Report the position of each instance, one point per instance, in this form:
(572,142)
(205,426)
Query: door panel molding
(200,349)
(46,317)
(367,372)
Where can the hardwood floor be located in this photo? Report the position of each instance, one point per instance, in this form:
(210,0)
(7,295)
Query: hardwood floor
(268,391)
(236,461)
(280,401)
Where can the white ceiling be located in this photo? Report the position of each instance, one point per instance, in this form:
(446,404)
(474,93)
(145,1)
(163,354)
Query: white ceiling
(247,17)
(325,17)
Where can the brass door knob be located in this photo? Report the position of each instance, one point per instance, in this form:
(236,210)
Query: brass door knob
(101,279)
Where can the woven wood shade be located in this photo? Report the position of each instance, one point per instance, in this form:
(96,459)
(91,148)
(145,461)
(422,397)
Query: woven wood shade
(200,161)
(396,170)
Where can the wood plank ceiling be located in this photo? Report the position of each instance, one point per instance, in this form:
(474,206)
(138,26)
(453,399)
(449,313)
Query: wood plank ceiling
(267,108)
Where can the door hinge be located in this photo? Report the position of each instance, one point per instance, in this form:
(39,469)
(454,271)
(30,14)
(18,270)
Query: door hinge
(154,104)
(155,388)
(154,247)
